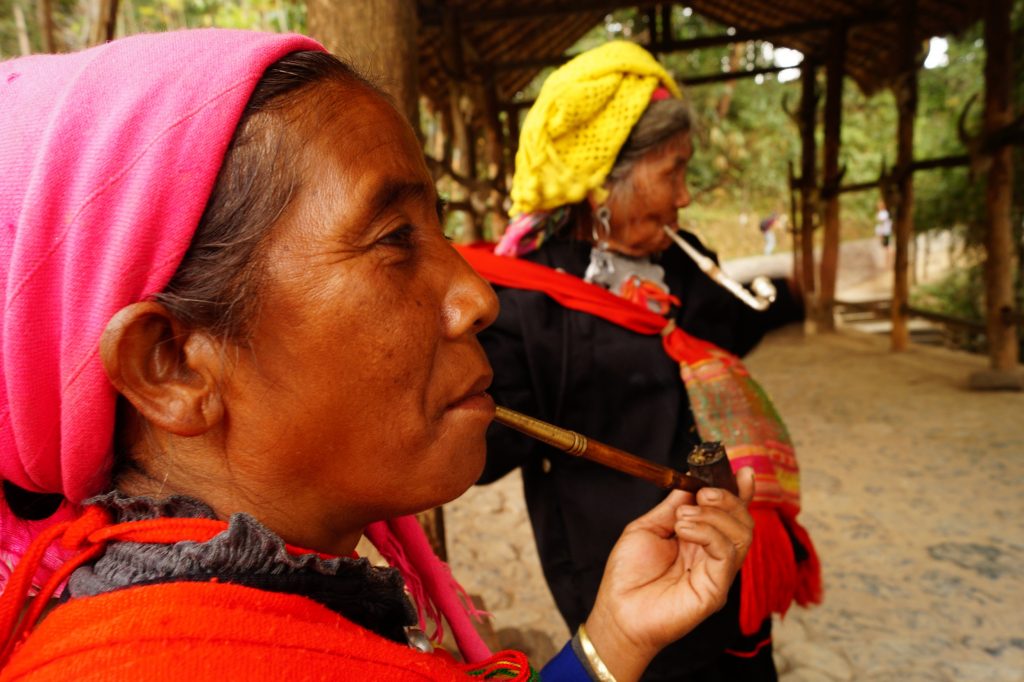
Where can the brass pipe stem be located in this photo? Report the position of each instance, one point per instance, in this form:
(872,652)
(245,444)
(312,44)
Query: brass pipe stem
(580,446)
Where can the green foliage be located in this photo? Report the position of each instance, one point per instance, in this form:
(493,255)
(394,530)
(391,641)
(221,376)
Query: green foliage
(72,19)
(745,141)
(959,294)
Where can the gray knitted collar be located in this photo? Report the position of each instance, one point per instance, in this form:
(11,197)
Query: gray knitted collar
(247,547)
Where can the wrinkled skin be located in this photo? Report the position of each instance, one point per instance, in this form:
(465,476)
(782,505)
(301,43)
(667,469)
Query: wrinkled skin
(650,197)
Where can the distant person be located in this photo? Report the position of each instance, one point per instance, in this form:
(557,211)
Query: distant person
(768,226)
(883,228)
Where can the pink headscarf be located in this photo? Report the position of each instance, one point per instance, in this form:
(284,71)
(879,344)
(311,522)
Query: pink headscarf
(107,159)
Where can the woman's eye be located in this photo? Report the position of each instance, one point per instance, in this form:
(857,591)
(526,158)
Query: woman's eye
(401,237)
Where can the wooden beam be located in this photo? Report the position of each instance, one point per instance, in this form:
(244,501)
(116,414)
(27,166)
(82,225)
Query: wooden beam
(732,75)
(667,46)
(430,16)
(952,161)
(768,32)
(999,246)
(830,165)
(689,81)
(906,103)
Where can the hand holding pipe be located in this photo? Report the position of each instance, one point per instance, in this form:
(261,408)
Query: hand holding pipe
(709,464)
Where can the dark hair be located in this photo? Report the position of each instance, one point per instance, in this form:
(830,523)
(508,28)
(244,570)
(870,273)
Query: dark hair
(661,121)
(217,285)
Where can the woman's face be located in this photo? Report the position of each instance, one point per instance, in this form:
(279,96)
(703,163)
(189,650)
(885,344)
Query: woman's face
(650,197)
(361,393)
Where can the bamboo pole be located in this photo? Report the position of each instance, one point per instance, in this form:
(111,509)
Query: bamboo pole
(833,126)
(999,247)
(906,102)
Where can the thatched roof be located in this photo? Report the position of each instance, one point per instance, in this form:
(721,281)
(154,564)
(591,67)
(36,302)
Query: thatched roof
(509,40)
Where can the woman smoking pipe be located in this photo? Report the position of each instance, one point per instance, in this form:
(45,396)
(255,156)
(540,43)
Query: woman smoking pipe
(608,329)
(234,338)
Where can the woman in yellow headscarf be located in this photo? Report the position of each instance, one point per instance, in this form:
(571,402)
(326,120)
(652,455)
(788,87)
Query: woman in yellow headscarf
(600,174)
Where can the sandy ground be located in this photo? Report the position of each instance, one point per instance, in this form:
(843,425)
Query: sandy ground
(913,490)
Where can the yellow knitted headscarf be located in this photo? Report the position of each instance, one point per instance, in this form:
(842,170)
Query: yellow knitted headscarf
(581,119)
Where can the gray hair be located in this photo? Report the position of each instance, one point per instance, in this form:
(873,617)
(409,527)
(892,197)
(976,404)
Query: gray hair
(661,121)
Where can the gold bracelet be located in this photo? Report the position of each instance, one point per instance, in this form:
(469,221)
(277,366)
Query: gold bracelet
(596,664)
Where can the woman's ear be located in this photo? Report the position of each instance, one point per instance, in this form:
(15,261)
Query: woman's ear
(171,374)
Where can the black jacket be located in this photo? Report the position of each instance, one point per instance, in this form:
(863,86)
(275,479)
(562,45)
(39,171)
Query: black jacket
(618,387)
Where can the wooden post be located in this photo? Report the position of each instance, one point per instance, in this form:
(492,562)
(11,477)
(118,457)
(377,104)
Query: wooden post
(808,183)
(44,14)
(999,247)
(379,37)
(833,125)
(793,228)
(653,37)
(667,34)
(105,26)
(24,45)
(495,148)
(906,102)
(512,119)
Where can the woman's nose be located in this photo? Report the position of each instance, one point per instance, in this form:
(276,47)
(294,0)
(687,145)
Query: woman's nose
(471,304)
(683,197)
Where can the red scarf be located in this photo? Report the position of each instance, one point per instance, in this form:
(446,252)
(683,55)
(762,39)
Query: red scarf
(727,406)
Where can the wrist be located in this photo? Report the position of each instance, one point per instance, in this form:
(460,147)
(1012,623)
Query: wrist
(623,658)
(597,669)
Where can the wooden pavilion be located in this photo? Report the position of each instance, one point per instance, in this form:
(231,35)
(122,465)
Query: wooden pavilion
(469,58)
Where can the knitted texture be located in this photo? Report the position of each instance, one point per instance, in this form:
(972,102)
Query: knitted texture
(581,119)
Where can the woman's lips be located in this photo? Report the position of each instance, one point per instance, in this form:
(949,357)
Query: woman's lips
(476,402)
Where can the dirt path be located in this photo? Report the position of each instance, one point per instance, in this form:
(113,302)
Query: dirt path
(913,491)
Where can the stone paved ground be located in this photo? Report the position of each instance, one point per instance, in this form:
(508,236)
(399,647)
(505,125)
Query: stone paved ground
(913,492)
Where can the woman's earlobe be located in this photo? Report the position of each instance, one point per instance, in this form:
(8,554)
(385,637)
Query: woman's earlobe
(170,374)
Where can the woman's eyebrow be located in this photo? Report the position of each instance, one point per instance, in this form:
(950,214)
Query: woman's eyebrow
(393,192)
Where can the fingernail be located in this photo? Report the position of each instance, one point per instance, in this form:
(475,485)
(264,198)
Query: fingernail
(710,494)
(689,511)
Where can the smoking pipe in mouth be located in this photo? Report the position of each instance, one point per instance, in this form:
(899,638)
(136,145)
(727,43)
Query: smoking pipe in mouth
(708,462)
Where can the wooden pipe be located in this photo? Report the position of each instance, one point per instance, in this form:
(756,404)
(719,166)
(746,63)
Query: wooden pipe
(580,446)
